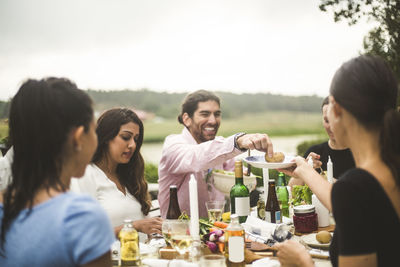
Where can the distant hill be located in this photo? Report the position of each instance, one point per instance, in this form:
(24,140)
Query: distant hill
(167,105)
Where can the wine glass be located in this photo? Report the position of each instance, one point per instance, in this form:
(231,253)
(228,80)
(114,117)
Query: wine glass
(214,210)
(166,230)
(180,238)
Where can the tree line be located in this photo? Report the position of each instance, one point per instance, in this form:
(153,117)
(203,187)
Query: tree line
(168,105)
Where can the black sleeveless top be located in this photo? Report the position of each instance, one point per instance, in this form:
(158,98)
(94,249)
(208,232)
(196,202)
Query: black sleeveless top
(366,221)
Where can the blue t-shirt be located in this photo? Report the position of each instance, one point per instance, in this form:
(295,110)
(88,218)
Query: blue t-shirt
(67,230)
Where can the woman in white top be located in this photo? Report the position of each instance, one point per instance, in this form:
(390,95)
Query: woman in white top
(116,175)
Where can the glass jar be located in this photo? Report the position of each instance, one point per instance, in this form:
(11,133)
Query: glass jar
(305,219)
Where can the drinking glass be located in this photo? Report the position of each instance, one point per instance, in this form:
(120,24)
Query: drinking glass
(166,230)
(178,232)
(212,260)
(214,210)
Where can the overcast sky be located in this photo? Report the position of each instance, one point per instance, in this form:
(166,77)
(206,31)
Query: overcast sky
(287,46)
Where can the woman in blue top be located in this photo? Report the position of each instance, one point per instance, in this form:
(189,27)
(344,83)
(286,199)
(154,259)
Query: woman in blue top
(365,200)
(53,136)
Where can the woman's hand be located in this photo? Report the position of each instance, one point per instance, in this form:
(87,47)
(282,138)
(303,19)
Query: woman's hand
(292,253)
(149,225)
(299,170)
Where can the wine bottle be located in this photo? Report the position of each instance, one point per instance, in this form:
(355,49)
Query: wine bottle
(283,195)
(173,209)
(272,210)
(234,243)
(240,196)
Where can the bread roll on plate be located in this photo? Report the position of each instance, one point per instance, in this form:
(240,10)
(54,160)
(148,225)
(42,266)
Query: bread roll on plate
(277,157)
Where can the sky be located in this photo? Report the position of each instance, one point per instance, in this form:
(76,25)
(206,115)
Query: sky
(284,47)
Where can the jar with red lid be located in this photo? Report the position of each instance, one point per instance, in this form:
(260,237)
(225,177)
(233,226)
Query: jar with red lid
(305,219)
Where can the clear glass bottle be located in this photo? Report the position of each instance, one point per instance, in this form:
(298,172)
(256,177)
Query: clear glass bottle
(283,195)
(173,209)
(240,196)
(234,242)
(129,238)
(272,210)
(261,206)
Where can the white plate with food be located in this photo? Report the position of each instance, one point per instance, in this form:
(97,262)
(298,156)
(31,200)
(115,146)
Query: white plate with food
(311,240)
(260,162)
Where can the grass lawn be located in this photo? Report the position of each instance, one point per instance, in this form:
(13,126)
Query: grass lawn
(281,123)
(272,123)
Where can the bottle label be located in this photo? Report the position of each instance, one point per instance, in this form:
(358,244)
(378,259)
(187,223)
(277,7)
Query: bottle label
(242,206)
(275,218)
(278,217)
(236,248)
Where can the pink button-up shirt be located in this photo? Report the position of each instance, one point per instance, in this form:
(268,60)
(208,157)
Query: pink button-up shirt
(181,157)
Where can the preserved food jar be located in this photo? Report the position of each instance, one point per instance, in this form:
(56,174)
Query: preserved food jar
(129,238)
(305,219)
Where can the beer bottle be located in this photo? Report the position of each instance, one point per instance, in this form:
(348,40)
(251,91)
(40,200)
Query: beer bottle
(283,195)
(129,238)
(272,210)
(234,242)
(173,209)
(240,196)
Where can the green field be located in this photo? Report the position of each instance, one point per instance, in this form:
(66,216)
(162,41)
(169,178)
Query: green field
(3,129)
(273,123)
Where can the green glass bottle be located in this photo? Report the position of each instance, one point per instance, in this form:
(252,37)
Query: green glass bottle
(283,195)
(240,196)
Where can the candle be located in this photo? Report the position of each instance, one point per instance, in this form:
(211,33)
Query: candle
(330,170)
(265,179)
(194,208)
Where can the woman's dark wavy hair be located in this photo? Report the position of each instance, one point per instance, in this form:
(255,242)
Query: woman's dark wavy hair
(131,174)
(42,114)
(191,101)
(367,88)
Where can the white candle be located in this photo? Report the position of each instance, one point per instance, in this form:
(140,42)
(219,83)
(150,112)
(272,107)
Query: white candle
(266,180)
(330,170)
(194,208)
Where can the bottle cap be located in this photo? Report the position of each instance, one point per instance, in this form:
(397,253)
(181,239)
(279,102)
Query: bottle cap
(172,186)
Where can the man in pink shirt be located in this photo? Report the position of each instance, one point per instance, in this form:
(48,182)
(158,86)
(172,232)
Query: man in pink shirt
(197,150)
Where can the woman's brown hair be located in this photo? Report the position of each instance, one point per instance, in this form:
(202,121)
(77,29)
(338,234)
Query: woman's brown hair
(131,174)
(367,88)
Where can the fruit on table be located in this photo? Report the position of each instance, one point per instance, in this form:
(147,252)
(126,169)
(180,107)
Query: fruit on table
(277,157)
(323,237)
(226,217)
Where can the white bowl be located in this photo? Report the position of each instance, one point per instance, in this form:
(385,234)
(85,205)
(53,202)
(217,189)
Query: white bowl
(224,181)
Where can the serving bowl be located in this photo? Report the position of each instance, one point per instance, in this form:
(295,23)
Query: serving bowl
(224,180)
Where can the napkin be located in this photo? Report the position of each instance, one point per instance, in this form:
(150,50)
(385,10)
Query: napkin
(168,263)
(257,226)
(266,262)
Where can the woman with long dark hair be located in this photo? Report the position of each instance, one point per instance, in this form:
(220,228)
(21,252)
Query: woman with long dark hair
(365,200)
(52,130)
(116,176)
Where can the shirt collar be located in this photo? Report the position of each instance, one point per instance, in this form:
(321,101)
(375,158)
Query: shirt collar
(188,136)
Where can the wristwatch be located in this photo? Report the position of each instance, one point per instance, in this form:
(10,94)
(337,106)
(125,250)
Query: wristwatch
(236,144)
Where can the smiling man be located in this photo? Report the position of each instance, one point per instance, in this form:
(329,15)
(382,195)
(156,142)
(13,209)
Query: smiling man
(197,150)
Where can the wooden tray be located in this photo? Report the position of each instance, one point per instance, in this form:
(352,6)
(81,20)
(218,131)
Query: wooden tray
(329,228)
